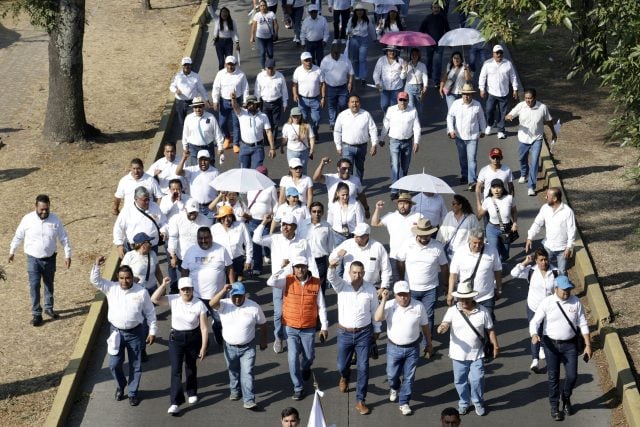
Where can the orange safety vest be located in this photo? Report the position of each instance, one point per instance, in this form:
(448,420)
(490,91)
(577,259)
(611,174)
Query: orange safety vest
(300,307)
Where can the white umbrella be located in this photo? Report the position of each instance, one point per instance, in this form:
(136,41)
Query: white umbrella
(241,181)
(461,37)
(422,182)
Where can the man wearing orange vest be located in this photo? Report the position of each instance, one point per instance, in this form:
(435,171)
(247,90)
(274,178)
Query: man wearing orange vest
(303,302)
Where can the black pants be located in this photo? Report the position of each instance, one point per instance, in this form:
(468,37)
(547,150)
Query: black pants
(184,346)
(273,110)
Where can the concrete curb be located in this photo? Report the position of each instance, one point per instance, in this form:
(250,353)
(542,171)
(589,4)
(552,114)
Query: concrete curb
(73,373)
(619,368)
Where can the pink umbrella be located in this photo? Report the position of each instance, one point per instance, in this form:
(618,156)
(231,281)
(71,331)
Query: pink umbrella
(407,38)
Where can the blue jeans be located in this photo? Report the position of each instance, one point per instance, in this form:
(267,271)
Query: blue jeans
(357,155)
(225,114)
(467,154)
(428,300)
(450,98)
(388,98)
(133,341)
(402,361)
(41,270)
(557,258)
(184,347)
(296,17)
(493,237)
(224,48)
(240,361)
(316,49)
(404,8)
(560,353)
(337,97)
(478,54)
(501,103)
(251,157)
(265,47)
(433,61)
(468,377)
(310,109)
(490,305)
(302,155)
(358,49)
(535,348)
(358,342)
(415,99)
(278,330)
(301,353)
(529,155)
(400,151)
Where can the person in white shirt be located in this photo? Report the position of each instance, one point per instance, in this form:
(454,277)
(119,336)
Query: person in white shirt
(340,10)
(494,170)
(565,324)
(228,81)
(503,216)
(164,169)
(344,174)
(264,31)
(201,132)
(540,278)
(402,124)
(299,139)
(357,328)
(233,235)
(453,79)
(456,226)
(271,91)
(406,318)
(40,230)
(240,316)
(419,262)
(388,76)
(233,200)
(430,206)
(398,224)
(319,234)
(354,128)
(291,206)
(338,77)
(127,185)
(369,252)
(417,80)
(183,233)
(533,115)
(254,125)
(470,324)
(559,222)
(174,201)
(361,34)
(297,179)
(144,263)
(465,124)
(200,177)
(308,90)
(344,214)
(486,278)
(186,84)
(129,307)
(225,35)
(389,23)
(314,34)
(187,341)
(496,75)
(259,204)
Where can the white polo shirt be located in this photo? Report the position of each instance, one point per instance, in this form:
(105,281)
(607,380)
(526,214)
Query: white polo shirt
(399,228)
(271,88)
(185,316)
(207,269)
(332,180)
(252,126)
(336,72)
(556,326)
(239,323)
(463,263)
(356,309)
(403,323)
(199,183)
(373,256)
(464,344)
(422,263)
(308,81)
(128,184)
(488,174)
(532,119)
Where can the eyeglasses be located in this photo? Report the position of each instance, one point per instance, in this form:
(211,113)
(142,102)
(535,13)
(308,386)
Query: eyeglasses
(499,52)
(344,169)
(403,100)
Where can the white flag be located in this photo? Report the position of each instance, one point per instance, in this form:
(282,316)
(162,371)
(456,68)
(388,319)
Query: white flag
(316,416)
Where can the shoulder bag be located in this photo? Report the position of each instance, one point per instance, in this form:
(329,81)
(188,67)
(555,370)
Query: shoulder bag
(487,345)
(580,344)
(507,235)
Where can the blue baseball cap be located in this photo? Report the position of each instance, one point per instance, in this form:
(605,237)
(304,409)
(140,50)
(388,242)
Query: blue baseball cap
(292,191)
(140,238)
(563,282)
(237,289)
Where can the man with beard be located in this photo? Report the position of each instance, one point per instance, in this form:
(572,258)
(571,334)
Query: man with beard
(201,132)
(199,178)
(128,184)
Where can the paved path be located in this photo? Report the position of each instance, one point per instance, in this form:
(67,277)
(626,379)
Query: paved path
(513,394)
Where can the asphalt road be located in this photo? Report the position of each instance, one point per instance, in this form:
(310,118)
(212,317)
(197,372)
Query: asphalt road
(513,394)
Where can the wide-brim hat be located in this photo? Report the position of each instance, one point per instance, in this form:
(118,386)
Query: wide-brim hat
(423,228)
(392,48)
(225,211)
(251,99)
(467,89)
(465,290)
(360,6)
(404,197)
(198,100)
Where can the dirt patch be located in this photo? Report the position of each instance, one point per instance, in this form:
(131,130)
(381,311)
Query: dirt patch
(130,56)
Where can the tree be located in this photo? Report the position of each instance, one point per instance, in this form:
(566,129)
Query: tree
(64,21)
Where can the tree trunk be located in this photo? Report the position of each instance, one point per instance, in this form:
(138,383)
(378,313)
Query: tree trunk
(65,120)
(146,4)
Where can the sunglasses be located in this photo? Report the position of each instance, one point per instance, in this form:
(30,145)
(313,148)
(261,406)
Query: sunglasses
(403,100)
(496,157)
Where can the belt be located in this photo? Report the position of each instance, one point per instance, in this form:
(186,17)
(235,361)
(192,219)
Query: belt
(189,332)
(354,145)
(570,341)
(272,102)
(410,345)
(310,97)
(127,330)
(44,258)
(239,345)
(253,144)
(353,330)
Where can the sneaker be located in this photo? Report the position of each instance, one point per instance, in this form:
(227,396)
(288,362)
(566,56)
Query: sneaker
(405,409)
(250,405)
(522,180)
(487,130)
(502,135)
(393,395)
(266,260)
(463,410)
(298,395)
(480,410)
(541,355)
(472,187)
(278,346)
(534,366)
(173,410)
(193,400)
(531,192)
(234,397)
(362,408)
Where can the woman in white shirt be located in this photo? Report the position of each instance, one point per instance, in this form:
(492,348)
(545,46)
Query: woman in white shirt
(455,76)
(291,206)
(361,32)
(296,179)
(188,339)
(417,80)
(299,139)
(260,203)
(232,199)
(225,35)
(343,216)
(389,24)
(264,30)
(456,226)
(503,215)
(143,262)
(234,236)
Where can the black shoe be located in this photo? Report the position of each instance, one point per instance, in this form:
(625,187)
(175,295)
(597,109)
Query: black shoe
(49,312)
(306,374)
(363,82)
(557,415)
(36,320)
(472,187)
(134,401)
(298,395)
(118,395)
(567,408)
(145,356)
(462,180)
